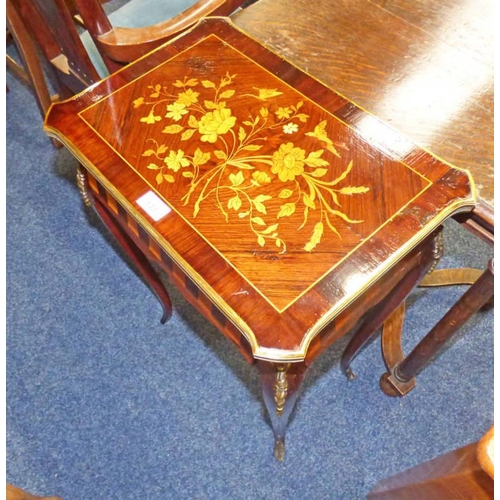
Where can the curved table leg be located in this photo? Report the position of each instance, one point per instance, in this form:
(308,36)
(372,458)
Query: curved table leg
(381,312)
(137,257)
(280,388)
(395,381)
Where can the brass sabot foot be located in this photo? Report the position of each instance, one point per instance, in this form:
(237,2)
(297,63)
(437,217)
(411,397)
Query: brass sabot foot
(279,450)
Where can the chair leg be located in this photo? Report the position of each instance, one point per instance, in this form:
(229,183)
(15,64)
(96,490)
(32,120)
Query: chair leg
(32,70)
(395,381)
(381,312)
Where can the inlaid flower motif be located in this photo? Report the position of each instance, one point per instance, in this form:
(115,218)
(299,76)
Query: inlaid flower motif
(283,113)
(261,177)
(176,110)
(177,160)
(138,102)
(187,98)
(215,123)
(290,128)
(288,162)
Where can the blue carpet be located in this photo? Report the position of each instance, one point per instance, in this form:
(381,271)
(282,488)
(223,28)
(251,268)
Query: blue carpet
(104,402)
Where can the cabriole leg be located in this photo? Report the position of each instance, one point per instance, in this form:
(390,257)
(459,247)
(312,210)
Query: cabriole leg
(280,387)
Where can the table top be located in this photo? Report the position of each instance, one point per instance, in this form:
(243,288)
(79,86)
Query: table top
(281,199)
(423,67)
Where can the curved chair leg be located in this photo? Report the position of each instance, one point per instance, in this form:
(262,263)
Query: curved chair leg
(280,387)
(397,381)
(379,314)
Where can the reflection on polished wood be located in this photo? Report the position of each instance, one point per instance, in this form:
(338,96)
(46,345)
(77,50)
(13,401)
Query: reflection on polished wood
(458,474)
(423,67)
(268,198)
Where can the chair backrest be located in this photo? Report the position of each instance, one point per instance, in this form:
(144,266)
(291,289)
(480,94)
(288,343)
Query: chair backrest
(50,23)
(118,45)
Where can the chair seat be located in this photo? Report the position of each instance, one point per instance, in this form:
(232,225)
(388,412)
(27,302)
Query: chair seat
(135,14)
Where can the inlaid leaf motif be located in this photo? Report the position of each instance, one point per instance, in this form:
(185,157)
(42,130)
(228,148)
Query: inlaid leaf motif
(208,84)
(315,238)
(258,202)
(308,202)
(210,105)
(286,210)
(138,102)
(258,220)
(192,121)
(220,154)
(285,193)
(200,158)
(227,94)
(173,129)
(157,89)
(236,179)
(319,172)
(270,229)
(344,174)
(314,159)
(353,190)
(234,203)
(268,93)
(261,177)
(151,118)
(187,134)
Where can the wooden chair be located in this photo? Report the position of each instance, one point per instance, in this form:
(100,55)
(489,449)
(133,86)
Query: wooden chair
(29,69)
(50,24)
(141,25)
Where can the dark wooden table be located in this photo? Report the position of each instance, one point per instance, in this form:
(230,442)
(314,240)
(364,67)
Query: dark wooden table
(268,198)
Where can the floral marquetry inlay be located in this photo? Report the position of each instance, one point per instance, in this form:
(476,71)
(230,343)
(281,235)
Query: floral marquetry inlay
(244,154)
(272,181)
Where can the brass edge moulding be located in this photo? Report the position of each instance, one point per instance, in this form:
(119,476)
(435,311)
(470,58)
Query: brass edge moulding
(461,205)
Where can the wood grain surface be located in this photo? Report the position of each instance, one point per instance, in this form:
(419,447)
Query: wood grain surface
(425,68)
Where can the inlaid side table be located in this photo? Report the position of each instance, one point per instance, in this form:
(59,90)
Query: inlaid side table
(255,187)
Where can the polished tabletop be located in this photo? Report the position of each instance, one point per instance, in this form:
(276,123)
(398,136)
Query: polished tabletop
(423,67)
(281,199)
